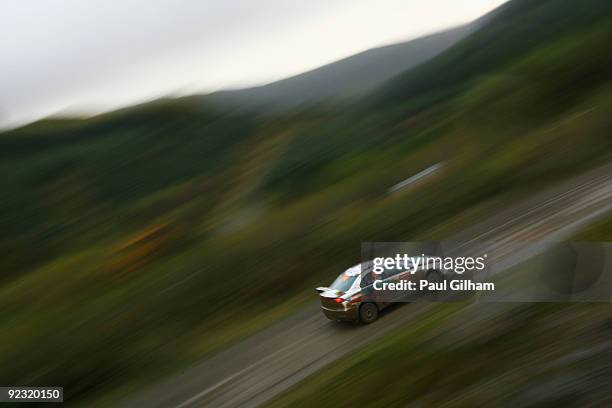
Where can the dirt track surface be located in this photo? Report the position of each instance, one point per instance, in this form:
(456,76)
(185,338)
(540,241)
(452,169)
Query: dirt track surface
(264,365)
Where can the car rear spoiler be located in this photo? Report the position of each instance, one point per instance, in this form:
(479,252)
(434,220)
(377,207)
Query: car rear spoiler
(322,289)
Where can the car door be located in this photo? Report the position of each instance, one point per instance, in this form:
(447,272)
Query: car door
(395,275)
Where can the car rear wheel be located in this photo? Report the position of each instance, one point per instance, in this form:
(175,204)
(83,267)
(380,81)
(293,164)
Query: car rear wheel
(368,312)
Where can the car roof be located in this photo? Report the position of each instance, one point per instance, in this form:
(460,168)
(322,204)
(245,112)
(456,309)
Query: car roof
(353,270)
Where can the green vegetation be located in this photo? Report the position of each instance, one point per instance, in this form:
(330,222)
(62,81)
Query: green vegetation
(472,355)
(477,353)
(135,242)
(598,231)
(517,28)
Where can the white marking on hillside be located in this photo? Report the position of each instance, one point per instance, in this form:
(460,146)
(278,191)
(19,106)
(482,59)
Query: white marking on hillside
(413,179)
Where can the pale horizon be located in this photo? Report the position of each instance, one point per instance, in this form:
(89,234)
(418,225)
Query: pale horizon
(84,58)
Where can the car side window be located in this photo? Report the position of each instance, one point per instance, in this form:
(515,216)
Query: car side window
(389,273)
(366,280)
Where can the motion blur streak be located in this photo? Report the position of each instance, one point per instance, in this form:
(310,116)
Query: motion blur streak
(256,370)
(192,231)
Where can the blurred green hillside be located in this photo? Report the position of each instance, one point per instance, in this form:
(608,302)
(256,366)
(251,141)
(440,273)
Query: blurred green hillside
(477,353)
(464,355)
(346,79)
(516,28)
(135,242)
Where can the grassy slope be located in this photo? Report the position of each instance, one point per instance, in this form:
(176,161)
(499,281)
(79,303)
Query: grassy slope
(460,355)
(136,242)
(467,354)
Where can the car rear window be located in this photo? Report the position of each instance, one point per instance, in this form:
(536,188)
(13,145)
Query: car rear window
(343,283)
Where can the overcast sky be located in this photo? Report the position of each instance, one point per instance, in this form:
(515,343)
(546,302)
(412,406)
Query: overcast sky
(90,55)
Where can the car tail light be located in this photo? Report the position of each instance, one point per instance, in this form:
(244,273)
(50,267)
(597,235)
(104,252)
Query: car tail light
(339,300)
